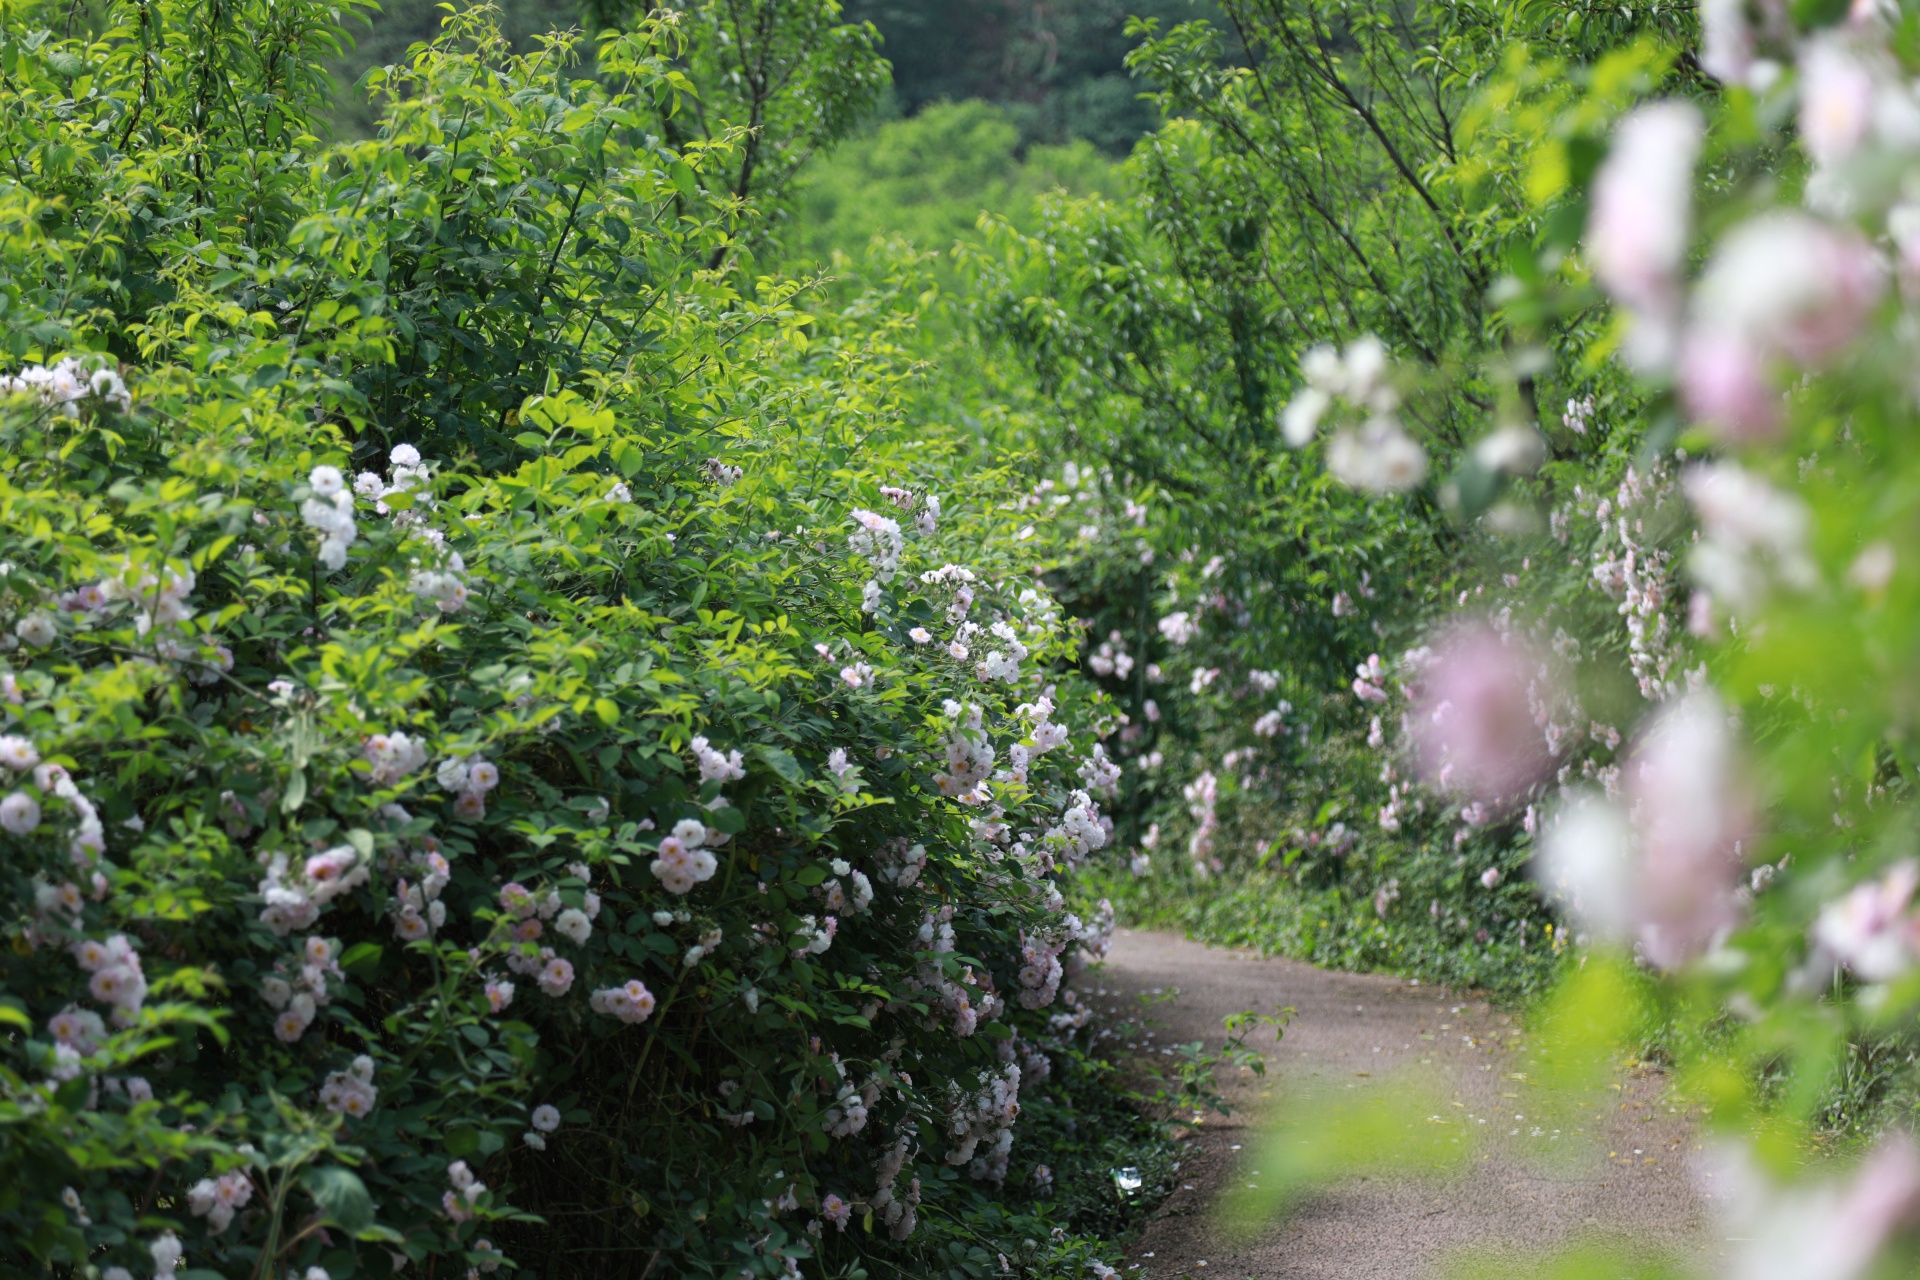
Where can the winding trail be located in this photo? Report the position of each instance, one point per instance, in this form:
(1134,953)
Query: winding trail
(1527,1190)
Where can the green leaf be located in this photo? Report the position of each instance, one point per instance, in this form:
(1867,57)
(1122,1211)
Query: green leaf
(361,958)
(341,1196)
(781,763)
(296,792)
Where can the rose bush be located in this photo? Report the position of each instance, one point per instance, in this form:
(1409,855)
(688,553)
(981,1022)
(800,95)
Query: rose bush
(516,746)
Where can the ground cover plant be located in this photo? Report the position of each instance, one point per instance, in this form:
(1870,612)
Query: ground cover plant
(520,757)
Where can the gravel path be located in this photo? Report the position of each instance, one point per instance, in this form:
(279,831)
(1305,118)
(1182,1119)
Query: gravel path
(1527,1189)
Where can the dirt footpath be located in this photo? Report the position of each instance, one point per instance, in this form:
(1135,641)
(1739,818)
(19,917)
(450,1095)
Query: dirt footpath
(1528,1189)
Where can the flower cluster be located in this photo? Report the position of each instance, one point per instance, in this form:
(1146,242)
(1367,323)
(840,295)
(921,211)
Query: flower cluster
(350,1092)
(299,990)
(630,1002)
(983,1117)
(1202,795)
(328,511)
(115,976)
(469,778)
(969,754)
(1111,658)
(1378,456)
(67,384)
(683,860)
(218,1199)
(293,895)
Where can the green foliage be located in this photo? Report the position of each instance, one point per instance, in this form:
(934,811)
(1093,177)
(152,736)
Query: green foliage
(928,179)
(355,800)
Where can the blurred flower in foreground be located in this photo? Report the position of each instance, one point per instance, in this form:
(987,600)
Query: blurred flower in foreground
(1782,285)
(1666,876)
(1830,1232)
(1378,456)
(1755,535)
(1638,232)
(1870,930)
(1473,725)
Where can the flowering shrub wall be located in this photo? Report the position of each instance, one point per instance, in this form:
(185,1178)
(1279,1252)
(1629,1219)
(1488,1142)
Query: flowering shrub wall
(512,749)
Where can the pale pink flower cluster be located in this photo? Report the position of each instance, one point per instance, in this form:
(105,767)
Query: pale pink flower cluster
(416,908)
(1111,658)
(1783,286)
(350,1092)
(1830,1231)
(293,897)
(848,1114)
(878,541)
(835,894)
(1754,536)
(166,1253)
(19,812)
(683,860)
(88,844)
(1872,929)
(298,998)
(78,1032)
(115,975)
(1099,774)
(1630,568)
(469,778)
(813,936)
(899,1213)
(441,582)
(1003,662)
(1664,870)
(408,472)
(219,1199)
(630,1002)
(1370,680)
(716,766)
(466,1191)
(328,510)
(969,754)
(392,756)
(844,771)
(1040,970)
(1079,831)
(1641,222)
(1377,456)
(982,1117)
(1094,937)
(545,1120)
(900,862)
(1202,795)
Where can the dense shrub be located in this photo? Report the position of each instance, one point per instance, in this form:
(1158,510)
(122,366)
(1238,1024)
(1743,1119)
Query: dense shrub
(518,748)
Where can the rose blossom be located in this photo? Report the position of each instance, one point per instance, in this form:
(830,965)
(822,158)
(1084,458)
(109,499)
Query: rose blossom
(1640,224)
(1473,724)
